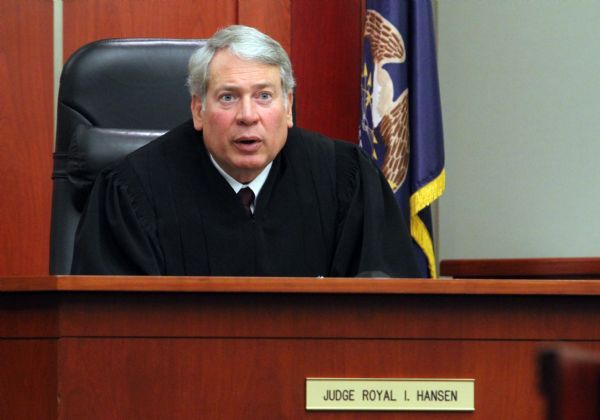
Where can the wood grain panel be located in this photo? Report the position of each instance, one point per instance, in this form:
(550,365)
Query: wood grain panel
(152,378)
(326,54)
(221,355)
(223,315)
(89,20)
(28,315)
(26,135)
(272,17)
(28,381)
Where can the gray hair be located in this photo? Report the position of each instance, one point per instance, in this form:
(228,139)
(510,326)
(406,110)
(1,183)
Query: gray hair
(246,43)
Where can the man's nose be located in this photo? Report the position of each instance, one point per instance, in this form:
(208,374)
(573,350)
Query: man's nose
(247,111)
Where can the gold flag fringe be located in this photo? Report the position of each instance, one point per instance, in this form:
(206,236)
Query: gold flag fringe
(418,201)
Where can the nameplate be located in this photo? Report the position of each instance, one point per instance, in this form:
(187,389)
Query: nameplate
(390,394)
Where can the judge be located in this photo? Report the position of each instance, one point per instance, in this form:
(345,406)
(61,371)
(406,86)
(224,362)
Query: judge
(238,191)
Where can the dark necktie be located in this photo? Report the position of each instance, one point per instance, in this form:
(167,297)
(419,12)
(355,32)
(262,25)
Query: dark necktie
(246,196)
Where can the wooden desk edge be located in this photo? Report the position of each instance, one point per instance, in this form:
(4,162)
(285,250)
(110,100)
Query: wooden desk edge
(555,268)
(298,285)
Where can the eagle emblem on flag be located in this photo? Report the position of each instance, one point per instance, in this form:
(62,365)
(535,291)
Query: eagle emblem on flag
(387,121)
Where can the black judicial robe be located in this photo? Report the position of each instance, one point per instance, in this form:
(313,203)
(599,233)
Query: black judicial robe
(324,210)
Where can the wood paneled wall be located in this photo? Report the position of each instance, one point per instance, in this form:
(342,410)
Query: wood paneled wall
(89,20)
(26,126)
(326,54)
(322,38)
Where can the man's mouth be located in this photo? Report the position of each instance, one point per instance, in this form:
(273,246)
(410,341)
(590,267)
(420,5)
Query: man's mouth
(247,139)
(247,144)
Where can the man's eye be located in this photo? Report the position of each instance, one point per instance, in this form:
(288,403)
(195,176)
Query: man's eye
(227,97)
(265,96)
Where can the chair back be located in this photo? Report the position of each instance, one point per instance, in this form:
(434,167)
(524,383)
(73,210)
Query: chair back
(115,96)
(570,383)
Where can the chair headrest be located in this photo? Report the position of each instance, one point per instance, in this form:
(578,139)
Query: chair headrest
(121,83)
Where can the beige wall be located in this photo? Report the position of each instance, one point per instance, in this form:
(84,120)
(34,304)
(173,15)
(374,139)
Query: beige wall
(521,100)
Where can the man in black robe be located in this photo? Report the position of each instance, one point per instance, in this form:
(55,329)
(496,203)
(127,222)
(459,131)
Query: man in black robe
(317,207)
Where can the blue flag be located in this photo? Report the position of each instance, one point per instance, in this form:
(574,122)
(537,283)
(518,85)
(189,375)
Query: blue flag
(401,125)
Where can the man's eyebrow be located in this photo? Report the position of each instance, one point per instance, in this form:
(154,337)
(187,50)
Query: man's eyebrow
(227,87)
(264,85)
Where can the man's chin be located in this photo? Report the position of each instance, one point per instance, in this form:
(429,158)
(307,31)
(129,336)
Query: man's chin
(246,170)
(250,163)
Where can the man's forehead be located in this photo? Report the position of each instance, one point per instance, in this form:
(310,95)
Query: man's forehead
(227,69)
(225,59)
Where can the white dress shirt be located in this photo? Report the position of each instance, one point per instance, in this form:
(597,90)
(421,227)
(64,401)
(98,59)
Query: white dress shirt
(255,185)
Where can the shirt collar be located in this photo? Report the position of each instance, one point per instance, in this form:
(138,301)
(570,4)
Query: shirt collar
(255,185)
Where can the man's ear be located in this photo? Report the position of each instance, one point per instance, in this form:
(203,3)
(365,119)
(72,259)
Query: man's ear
(290,106)
(196,107)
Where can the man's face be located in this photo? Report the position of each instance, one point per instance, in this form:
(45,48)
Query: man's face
(244,119)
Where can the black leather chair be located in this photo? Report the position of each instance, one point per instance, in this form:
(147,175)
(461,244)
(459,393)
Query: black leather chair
(115,96)
(569,380)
